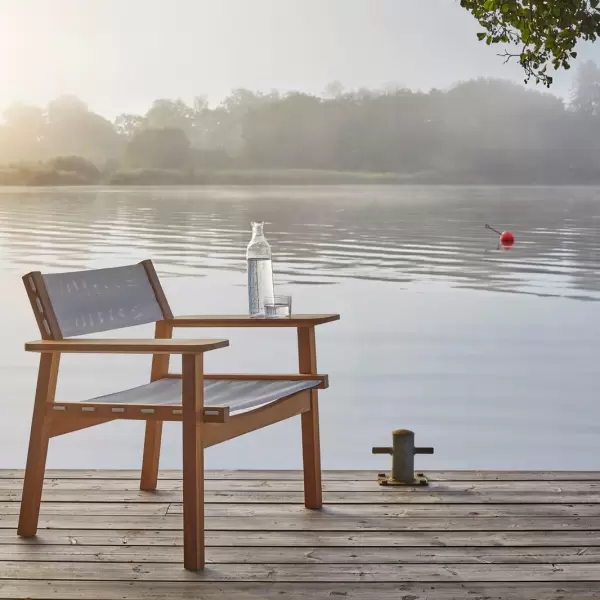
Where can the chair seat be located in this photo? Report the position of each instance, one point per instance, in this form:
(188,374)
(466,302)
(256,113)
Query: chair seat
(239,395)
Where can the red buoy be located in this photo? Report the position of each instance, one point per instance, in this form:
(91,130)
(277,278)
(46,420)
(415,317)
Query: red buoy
(507,238)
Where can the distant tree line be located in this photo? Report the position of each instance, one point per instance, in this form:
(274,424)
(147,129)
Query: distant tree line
(480,131)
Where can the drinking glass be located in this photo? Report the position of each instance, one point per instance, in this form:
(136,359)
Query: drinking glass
(278,307)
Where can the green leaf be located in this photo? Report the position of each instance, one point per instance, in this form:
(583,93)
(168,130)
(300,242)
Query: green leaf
(545,31)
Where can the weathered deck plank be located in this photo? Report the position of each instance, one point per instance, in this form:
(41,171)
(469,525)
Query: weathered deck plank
(493,535)
(317,522)
(331,475)
(418,496)
(300,573)
(354,538)
(288,510)
(273,485)
(299,555)
(139,590)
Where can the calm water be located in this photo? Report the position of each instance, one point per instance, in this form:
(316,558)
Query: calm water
(490,356)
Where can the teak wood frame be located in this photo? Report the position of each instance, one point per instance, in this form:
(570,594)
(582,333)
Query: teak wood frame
(202,427)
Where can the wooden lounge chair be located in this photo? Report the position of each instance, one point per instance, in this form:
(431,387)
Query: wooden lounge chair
(212,408)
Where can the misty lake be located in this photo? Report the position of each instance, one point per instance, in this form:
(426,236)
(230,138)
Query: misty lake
(490,356)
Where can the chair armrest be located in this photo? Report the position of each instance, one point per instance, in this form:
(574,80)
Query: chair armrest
(126,346)
(296,321)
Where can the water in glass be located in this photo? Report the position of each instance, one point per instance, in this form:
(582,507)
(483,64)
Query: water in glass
(278,307)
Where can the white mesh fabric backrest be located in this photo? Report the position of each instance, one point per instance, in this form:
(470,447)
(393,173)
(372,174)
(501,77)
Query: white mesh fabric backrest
(87,302)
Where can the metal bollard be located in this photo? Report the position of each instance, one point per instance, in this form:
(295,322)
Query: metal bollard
(403,459)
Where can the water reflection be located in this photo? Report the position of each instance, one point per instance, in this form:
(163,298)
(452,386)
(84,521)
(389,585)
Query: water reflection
(320,235)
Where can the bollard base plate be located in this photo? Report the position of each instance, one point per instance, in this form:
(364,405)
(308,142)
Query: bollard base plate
(384,479)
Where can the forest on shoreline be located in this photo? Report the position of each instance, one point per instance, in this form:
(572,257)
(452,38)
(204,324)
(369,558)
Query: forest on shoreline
(483,131)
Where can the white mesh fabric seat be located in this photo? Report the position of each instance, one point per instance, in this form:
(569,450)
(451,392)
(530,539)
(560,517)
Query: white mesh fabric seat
(238,395)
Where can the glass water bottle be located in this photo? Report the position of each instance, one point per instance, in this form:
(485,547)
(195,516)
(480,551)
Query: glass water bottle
(260,271)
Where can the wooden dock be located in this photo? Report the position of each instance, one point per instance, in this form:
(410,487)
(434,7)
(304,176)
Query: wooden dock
(469,535)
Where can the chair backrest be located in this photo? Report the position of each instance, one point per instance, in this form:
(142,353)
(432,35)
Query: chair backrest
(84,302)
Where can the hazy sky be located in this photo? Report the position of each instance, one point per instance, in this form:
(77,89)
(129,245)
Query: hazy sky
(119,55)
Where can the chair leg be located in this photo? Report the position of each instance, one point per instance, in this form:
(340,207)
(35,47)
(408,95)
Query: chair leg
(311,456)
(193,463)
(38,446)
(150,460)
(311,449)
(152,438)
